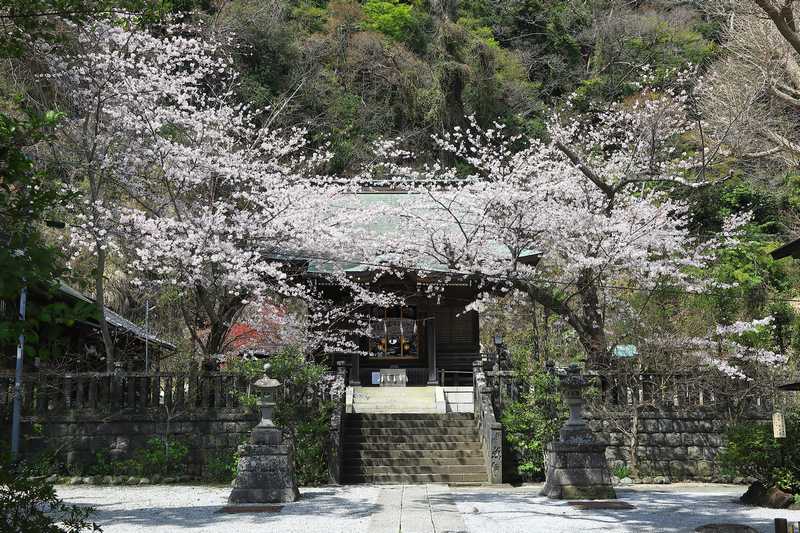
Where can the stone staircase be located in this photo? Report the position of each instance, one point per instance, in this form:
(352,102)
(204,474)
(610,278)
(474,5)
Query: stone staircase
(393,448)
(393,400)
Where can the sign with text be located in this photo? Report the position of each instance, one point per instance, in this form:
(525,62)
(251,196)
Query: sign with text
(778,426)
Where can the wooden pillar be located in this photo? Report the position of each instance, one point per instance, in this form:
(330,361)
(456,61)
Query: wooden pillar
(355,371)
(430,342)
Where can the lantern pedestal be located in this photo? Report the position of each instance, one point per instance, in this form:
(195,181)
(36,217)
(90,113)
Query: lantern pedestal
(575,464)
(265,473)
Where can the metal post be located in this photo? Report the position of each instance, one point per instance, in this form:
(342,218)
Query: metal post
(17,413)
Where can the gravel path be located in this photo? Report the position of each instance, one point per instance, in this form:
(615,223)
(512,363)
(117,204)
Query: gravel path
(169,508)
(350,509)
(680,507)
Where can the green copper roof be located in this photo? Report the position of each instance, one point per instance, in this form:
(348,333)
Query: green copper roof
(408,201)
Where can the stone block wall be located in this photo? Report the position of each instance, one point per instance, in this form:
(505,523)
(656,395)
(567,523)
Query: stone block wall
(679,444)
(77,436)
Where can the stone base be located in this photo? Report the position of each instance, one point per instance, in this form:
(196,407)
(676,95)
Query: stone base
(247,508)
(265,473)
(257,496)
(577,472)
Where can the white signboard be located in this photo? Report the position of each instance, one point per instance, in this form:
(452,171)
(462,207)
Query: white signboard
(376,378)
(778,426)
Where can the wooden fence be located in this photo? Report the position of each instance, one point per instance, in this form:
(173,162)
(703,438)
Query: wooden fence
(665,391)
(700,389)
(46,393)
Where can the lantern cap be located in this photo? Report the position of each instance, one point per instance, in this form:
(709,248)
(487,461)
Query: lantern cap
(267,383)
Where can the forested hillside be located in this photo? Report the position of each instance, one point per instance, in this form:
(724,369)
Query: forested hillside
(353,72)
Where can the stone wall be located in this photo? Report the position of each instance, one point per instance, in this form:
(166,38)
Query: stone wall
(77,436)
(76,416)
(679,444)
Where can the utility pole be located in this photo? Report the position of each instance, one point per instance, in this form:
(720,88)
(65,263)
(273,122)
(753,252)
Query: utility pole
(17,413)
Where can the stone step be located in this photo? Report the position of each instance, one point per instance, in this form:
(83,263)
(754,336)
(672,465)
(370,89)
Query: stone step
(359,446)
(410,416)
(409,439)
(418,454)
(372,408)
(444,424)
(380,470)
(396,479)
(405,462)
(417,431)
(408,447)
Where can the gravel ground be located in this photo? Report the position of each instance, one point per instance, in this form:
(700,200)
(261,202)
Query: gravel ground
(668,508)
(169,508)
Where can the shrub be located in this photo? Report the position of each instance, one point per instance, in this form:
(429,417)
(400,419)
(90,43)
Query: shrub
(103,465)
(310,458)
(30,505)
(533,422)
(400,21)
(222,467)
(160,456)
(752,451)
(621,472)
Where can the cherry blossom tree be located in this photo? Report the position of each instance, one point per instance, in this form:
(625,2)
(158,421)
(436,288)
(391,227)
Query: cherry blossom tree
(193,189)
(590,204)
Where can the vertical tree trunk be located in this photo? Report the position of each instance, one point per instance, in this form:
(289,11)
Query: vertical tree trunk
(595,340)
(100,302)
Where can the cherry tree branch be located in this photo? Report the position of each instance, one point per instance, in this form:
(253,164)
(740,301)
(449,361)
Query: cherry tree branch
(783,18)
(575,159)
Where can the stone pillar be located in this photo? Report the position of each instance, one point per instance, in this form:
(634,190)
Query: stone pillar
(575,464)
(430,347)
(265,473)
(337,424)
(355,371)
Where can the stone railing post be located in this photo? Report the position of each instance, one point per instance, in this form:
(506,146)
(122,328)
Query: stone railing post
(336,434)
(491,431)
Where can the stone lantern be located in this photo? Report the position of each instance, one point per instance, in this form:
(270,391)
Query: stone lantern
(265,473)
(575,464)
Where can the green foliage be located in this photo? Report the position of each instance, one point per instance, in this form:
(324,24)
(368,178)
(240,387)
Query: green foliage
(310,438)
(752,451)
(621,471)
(16,37)
(398,20)
(28,504)
(160,456)
(28,196)
(533,422)
(104,466)
(221,467)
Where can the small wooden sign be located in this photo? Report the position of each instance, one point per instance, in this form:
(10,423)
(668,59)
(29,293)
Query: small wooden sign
(778,426)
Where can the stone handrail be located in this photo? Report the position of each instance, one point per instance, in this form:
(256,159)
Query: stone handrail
(337,424)
(491,431)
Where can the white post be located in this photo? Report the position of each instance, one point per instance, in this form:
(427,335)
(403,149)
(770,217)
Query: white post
(17,412)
